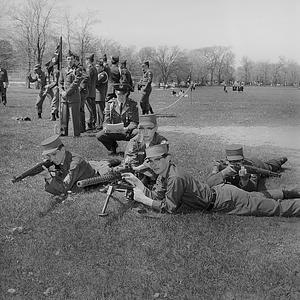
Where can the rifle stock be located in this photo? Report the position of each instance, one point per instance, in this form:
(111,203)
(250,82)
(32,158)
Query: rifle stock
(38,168)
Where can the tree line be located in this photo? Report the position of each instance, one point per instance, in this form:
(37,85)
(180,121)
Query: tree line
(34,28)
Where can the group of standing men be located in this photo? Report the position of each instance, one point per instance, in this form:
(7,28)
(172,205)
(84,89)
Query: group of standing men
(93,86)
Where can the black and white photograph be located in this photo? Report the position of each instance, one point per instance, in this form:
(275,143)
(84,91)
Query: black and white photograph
(150,150)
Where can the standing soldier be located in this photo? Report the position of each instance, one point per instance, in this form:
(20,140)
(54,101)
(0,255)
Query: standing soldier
(145,87)
(53,87)
(113,78)
(126,76)
(101,90)
(83,91)
(3,85)
(41,78)
(69,82)
(90,100)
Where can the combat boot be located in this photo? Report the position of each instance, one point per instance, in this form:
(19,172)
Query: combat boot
(291,194)
(39,115)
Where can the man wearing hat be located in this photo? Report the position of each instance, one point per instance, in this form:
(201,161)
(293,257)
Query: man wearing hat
(126,76)
(122,111)
(90,100)
(176,191)
(101,91)
(145,87)
(223,173)
(113,78)
(68,167)
(135,152)
(41,78)
(3,85)
(69,82)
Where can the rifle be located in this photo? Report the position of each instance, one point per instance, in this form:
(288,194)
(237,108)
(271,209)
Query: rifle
(33,171)
(250,169)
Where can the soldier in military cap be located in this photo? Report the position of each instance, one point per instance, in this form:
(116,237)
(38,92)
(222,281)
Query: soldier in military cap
(145,87)
(41,78)
(90,100)
(101,91)
(3,85)
(122,111)
(69,81)
(224,173)
(135,152)
(126,76)
(177,191)
(68,167)
(113,77)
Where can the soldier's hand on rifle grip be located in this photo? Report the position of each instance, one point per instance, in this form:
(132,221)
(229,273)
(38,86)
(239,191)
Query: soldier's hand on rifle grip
(46,174)
(243,173)
(228,172)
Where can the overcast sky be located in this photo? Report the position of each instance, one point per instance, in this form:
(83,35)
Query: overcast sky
(259,29)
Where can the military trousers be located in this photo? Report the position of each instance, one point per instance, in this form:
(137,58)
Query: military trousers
(109,140)
(144,102)
(55,100)
(3,94)
(41,98)
(91,106)
(68,109)
(82,111)
(232,200)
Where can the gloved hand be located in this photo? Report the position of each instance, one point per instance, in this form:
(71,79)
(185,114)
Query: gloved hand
(228,172)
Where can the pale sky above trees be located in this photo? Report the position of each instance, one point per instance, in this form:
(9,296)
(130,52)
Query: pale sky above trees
(259,29)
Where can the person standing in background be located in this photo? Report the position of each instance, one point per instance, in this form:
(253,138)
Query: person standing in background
(3,85)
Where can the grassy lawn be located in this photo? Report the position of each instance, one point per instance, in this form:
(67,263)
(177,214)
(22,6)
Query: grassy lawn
(72,253)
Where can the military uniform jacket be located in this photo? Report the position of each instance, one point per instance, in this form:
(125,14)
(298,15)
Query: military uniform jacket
(135,151)
(92,75)
(177,191)
(146,80)
(129,115)
(3,76)
(41,78)
(69,82)
(55,79)
(252,185)
(84,84)
(113,78)
(102,81)
(125,78)
(73,169)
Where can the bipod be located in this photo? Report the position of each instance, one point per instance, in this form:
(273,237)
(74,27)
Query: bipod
(116,187)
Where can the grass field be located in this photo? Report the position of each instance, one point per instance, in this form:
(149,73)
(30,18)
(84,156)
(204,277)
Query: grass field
(72,253)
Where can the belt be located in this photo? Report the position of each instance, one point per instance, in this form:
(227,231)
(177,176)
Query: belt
(212,200)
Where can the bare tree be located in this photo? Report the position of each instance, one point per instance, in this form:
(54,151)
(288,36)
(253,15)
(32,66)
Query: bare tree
(166,59)
(246,70)
(32,27)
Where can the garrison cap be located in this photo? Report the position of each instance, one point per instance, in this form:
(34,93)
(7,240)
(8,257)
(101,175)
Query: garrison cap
(234,152)
(123,62)
(114,59)
(122,87)
(51,144)
(37,66)
(146,63)
(157,150)
(70,54)
(90,57)
(147,121)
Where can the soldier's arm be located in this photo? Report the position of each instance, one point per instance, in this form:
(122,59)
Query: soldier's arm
(74,85)
(216,177)
(107,112)
(61,82)
(134,121)
(131,153)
